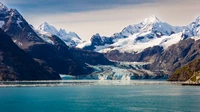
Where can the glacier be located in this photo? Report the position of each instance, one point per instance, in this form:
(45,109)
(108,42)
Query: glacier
(119,71)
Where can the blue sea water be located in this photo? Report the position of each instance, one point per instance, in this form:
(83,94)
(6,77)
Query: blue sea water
(101,98)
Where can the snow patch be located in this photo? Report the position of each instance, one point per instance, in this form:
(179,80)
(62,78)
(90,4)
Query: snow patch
(18,22)
(1,24)
(45,36)
(84,44)
(195,38)
(129,45)
(17,42)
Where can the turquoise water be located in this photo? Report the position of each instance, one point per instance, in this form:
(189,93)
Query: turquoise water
(101,98)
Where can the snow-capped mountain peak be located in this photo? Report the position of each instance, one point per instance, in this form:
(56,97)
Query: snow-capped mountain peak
(3,7)
(197,20)
(63,31)
(193,29)
(63,34)
(96,35)
(137,37)
(46,27)
(70,38)
(149,27)
(154,25)
(151,19)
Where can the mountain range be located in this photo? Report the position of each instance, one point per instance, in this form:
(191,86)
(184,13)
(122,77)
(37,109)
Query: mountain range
(70,38)
(137,37)
(57,56)
(50,52)
(165,46)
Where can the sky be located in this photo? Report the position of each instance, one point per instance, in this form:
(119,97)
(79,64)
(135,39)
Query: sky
(106,17)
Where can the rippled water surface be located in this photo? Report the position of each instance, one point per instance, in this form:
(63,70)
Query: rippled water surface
(116,96)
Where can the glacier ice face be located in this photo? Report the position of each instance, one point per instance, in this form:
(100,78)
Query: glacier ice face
(122,71)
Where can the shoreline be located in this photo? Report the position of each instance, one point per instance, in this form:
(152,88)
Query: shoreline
(62,83)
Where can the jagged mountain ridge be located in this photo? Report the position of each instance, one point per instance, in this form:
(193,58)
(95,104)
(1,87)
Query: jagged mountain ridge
(137,37)
(192,29)
(70,38)
(14,24)
(59,58)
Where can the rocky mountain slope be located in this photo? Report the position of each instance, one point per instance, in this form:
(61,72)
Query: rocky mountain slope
(55,56)
(49,49)
(15,64)
(186,72)
(84,56)
(90,57)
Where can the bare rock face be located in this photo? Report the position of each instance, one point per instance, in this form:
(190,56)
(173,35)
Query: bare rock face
(18,29)
(185,72)
(90,57)
(188,61)
(148,55)
(15,64)
(97,40)
(177,55)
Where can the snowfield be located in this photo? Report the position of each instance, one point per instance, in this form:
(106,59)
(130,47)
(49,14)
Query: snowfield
(129,45)
(150,32)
